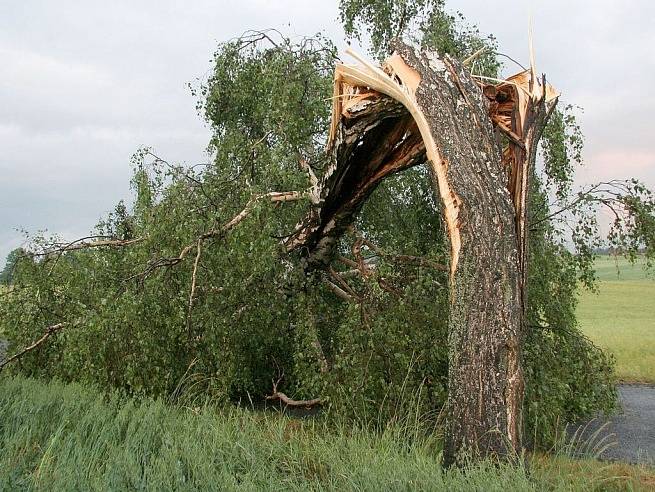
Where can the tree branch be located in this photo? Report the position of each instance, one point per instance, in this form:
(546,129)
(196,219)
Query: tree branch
(83,243)
(289,402)
(192,291)
(339,292)
(273,196)
(48,332)
(607,193)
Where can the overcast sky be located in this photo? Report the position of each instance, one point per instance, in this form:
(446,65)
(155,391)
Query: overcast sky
(83,84)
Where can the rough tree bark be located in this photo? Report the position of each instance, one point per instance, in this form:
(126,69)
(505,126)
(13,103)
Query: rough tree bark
(480,141)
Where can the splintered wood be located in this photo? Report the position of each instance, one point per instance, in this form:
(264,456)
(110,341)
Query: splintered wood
(519,108)
(378,128)
(513,107)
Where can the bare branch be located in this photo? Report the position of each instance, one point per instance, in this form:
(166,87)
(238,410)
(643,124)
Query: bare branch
(48,332)
(608,193)
(343,284)
(192,292)
(289,402)
(347,261)
(339,292)
(83,243)
(314,190)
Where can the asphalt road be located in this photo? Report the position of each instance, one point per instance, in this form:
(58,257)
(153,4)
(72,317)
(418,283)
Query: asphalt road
(628,436)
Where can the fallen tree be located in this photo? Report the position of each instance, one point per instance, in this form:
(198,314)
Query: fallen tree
(479,137)
(384,120)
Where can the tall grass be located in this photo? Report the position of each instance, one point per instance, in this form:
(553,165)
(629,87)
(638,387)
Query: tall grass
(69,437)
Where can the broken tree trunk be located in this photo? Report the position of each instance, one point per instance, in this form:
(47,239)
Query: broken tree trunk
(485,379)
(480,142)
(376,137)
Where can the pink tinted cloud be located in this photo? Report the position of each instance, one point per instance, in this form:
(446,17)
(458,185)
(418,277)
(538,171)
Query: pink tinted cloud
(618,164)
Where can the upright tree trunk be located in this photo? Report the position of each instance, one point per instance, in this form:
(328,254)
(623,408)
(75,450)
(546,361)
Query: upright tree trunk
(483,194)
(485,391)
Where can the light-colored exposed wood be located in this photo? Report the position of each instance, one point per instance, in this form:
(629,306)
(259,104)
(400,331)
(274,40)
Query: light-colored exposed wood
(399,81)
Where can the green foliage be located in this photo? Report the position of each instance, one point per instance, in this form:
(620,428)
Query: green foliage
(561,146)
(393,346)
(425,22)
(561,363)
(249,322)
(384,355)
(131,327)
(383,20)
(7,273)
(266,103)
(70,437)
(568,378)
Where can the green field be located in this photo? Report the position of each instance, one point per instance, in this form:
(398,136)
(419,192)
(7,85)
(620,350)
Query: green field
(621,317)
